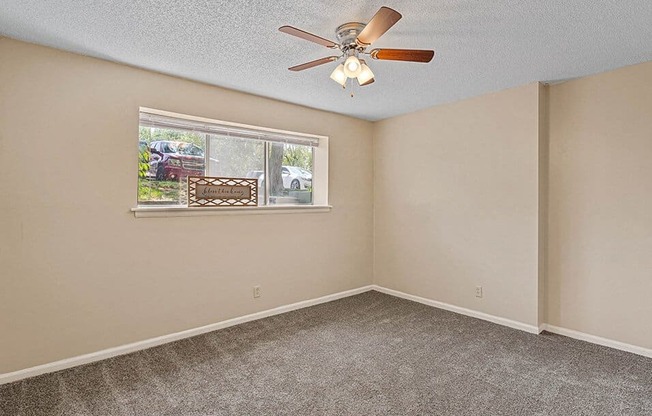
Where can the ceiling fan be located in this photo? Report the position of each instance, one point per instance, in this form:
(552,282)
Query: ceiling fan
(354,39)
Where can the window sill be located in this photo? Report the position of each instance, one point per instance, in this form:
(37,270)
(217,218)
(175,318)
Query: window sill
(158,212)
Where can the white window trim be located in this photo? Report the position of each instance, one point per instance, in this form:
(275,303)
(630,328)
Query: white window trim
(319,180)
(170,211)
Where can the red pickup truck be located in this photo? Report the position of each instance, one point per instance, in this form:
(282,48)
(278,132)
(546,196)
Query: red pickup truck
(173,160)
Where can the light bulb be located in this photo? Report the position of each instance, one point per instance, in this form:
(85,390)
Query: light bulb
(365,74)
(352,67)
(338,75)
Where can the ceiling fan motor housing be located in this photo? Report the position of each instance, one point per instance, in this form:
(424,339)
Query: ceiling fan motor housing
(347,34)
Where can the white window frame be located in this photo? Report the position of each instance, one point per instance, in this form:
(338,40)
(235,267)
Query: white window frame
(319,174)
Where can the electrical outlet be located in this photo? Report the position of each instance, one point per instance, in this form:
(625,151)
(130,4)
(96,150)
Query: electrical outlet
(256,291)
(478,291)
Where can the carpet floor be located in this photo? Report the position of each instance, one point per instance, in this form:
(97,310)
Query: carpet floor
(370,354)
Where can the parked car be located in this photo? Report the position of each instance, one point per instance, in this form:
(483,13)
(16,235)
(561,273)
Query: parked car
(171,160)
(294,178)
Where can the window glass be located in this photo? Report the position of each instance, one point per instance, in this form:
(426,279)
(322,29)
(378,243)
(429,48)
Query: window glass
(290,167)
(170,149)
(237,158)
(171,157)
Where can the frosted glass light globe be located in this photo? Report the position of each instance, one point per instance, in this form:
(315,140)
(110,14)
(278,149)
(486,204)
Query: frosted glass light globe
(365,74)
(352,67)
(338,75)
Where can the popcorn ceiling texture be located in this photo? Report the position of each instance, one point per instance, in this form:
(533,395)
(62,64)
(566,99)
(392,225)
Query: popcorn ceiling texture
(481,46)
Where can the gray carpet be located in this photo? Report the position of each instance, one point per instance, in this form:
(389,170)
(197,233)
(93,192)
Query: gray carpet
(370,354)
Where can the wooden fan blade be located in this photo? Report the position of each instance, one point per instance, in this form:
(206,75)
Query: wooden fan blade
(307,36)
(410,55)
(314,63)
(378,25)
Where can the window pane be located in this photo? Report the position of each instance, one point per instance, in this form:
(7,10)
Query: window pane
(169,153)
(166,158)
(290,168)
(237,158)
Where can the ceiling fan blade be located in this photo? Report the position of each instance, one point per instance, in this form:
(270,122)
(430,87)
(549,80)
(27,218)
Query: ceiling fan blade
(378,25)
(307,36)
(314,63)
(410,55)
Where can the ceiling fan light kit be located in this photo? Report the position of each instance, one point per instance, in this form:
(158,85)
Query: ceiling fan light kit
(354,38)
(352,67)
(365,74)
(338,75)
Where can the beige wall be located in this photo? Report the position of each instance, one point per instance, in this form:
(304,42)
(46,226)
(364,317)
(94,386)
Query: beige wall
(497,191)
(600,229)
(544,160)
(79,273)
(542,195)
(456,203)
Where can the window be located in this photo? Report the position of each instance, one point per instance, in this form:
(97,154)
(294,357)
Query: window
(173,147)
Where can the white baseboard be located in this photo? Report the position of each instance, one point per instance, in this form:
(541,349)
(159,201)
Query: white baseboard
(153,342)
(634,349)
(462,311)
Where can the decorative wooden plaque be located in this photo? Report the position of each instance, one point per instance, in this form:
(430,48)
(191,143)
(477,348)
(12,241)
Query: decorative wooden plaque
(206,191)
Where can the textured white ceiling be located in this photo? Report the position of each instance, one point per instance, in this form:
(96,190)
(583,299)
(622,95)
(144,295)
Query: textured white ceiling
(481,45)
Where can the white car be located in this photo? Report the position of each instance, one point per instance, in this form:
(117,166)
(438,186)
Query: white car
(294,178)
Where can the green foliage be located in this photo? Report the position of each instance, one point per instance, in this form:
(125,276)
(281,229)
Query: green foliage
(143,162)
(300,156)
(158,191)
(145,134)
(150,135)
(229,156)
